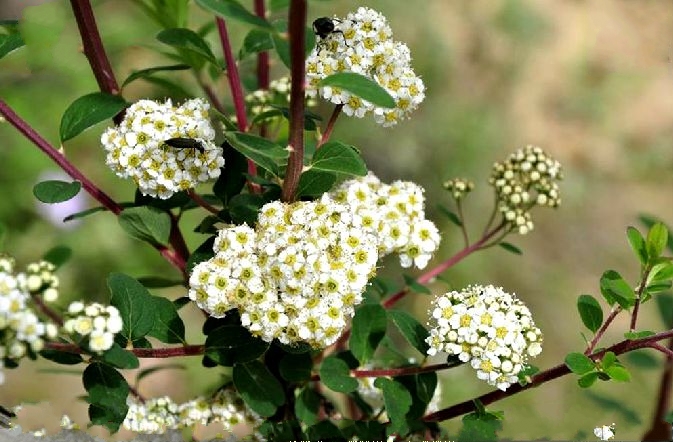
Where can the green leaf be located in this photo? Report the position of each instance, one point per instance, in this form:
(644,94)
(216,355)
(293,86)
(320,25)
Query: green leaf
(10,42)
(144,73)
(637,243)
(656,241)
(107,395)
(87,111)
(314,183)
(234,10)
(510,248)
(397,401)
(369,327)
(58,255)
(256,41)
(232,180)
(642,359)
(260,390)
(153,282)
(609,359)
(588,379)
(189,43)
(61,357)
(639,334)
(482,427)
(134,304)
(120,358)
(244,208)
(307,406)
(261,151)
(146,224)
(615,289)
(590,312)
(618,373)
(579,363)
(324,431)
(335,374)
(665,304)
(168,326)
(230,344)
(53,191)
(411,329)
(296,367)
(361,86)
(335,156)
(449,214)
(415,286)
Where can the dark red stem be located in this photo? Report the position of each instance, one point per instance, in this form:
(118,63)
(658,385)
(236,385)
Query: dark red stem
(46,310)
(58,158)
(94,50)
(295,164)
(201,202)
(330,125)
(187,350)
(541,378)
(262,57)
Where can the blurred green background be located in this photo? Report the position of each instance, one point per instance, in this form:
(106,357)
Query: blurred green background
(590,82)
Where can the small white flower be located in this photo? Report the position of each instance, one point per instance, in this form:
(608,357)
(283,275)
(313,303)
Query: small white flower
(605,432)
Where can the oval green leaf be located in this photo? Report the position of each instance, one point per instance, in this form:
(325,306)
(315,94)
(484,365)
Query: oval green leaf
(88,110)
(233,9)
(637,243)
(260,390)
(10,42)
(337,157)
(359,85)
(657,238)
(368,329)
(590,312)
(144,73)
(146,224)
(335,374)
(168,326)
(53,191)
(134,304)
(579,363)
(189,41)
(412,330)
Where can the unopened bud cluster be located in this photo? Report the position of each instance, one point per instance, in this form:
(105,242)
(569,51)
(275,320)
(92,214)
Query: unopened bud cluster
(487,327)
(296,277)
(157,415)
(458,187)
(95,324)
(396,214)
(22,332)
(278,94)
(362,43)
(136,148)
(526,179)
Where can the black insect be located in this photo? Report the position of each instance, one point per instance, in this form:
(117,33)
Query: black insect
(5,416)
(185,143)
(325,26)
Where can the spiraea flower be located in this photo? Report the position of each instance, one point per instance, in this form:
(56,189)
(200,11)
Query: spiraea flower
(459,187)
(296,277)
(137,148)
(487,327)
(395,213)
(158,415)
(605,432)
(528,178)
(362,43)
(21,330)
(95,324)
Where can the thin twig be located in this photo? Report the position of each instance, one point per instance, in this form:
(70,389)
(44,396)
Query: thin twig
(201,202)
(330,125)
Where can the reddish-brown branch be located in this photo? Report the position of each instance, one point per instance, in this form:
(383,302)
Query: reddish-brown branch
(295,164)
(611,317)
(660,429)
(58,158)
(94,50)
(330,125)
(541,378)
(187,350)
(46,310)
(262,57)
(201,202)
(236,88)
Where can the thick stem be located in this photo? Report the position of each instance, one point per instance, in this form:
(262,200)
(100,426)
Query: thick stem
(187,350)
(94,50)
(262,57)
(330,125)
(236,88)
(297,31)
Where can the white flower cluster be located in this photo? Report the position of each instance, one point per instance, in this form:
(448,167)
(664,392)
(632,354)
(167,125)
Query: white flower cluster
(136,148)
(459,187)
(278,94)
(605,432)
(487,327)
(526,179)
(97,322)
(362,43)
(396,214)
(157,415)
(21,330)
(296,277)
